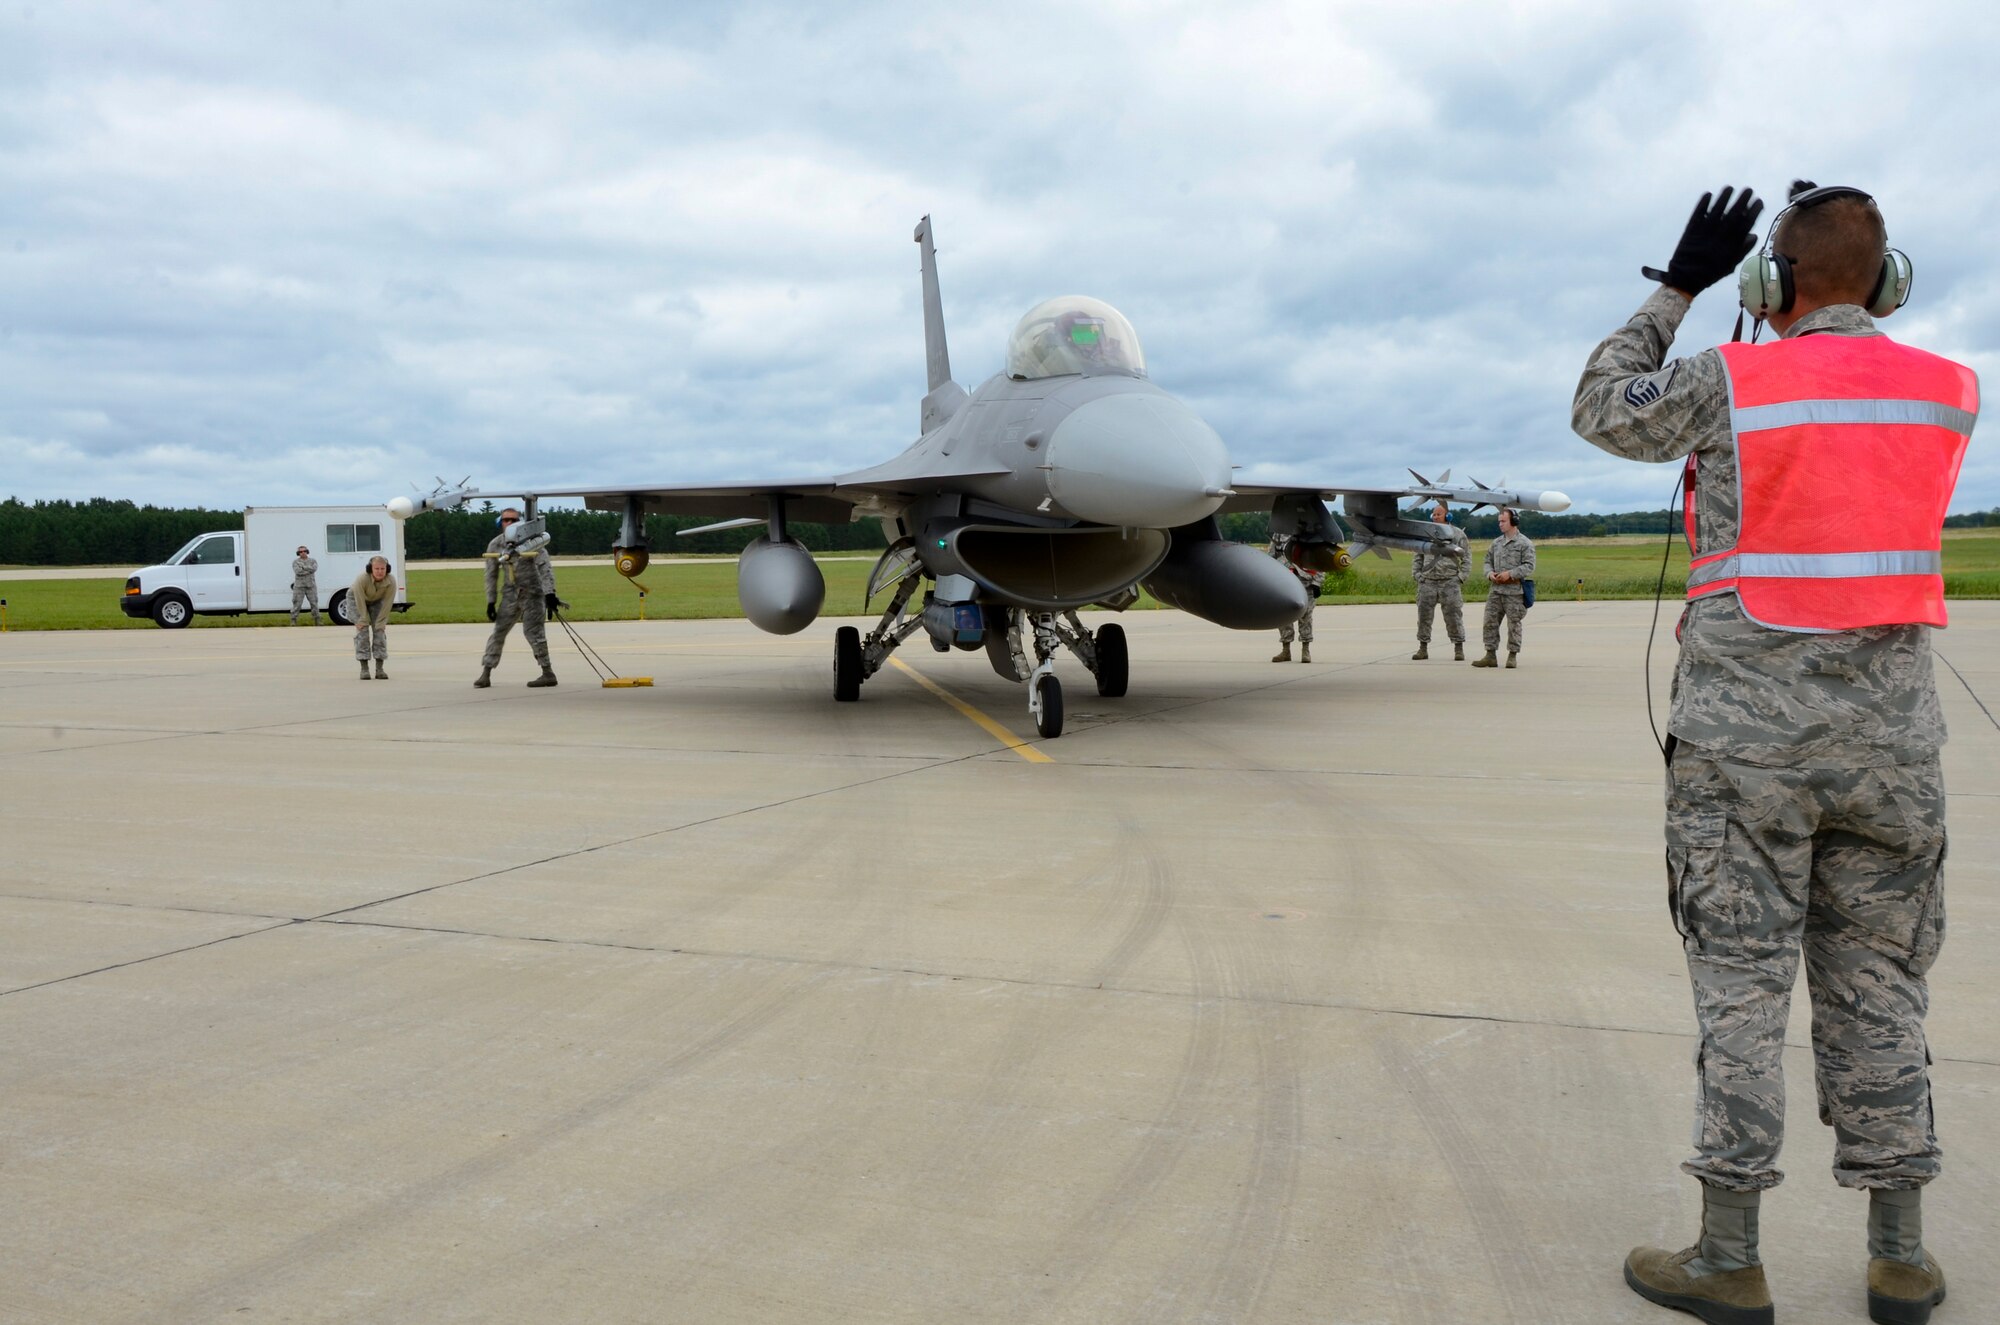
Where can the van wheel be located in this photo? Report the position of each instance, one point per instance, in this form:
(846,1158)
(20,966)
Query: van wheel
(340,610)
(171,613)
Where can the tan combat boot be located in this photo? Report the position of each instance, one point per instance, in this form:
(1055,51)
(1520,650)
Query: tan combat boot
(364,671)
(1457,651)
(1904,1281)
(1718,1279)
(1423,652)
(547,678)
(1284,653)
(485,679)
(1305,651)
(380,673)
(1488,661)
(1511,657)
(1903,1294)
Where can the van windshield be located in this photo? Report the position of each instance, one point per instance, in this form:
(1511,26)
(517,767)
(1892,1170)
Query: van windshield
(182,551)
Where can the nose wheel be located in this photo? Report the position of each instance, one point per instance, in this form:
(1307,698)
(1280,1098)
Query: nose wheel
(1045,702)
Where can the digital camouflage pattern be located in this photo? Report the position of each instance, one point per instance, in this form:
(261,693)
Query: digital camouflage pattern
(1845,863)
(305,588)
(1312,579)
(1439,571)
(521,584)
(1849,699)
(1515,555)
(1804,810)
(371,604)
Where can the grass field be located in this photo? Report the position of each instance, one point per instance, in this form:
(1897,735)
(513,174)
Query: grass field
(1593,568)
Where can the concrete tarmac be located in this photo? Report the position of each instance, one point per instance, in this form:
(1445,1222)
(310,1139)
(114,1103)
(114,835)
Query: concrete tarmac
(1332,993)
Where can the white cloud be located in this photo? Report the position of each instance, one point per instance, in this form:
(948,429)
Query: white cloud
(265,254)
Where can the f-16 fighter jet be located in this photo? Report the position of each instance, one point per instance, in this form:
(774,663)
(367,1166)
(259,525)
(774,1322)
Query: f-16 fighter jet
(1067,480)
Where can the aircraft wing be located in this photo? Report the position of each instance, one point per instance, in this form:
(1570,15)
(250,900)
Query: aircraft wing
(1374,515)
(824,500)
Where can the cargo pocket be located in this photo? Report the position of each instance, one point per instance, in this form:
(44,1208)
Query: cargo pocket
(1697,892)
(1928,940)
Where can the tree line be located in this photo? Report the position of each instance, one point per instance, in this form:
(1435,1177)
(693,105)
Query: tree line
(104,532)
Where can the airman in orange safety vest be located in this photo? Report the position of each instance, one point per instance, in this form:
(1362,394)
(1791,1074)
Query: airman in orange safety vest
(1805,809)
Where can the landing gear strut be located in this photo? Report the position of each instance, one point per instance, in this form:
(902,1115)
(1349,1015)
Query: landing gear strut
(1104,653)
(855,659)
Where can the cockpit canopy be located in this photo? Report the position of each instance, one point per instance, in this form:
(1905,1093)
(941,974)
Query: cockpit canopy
(1073,334)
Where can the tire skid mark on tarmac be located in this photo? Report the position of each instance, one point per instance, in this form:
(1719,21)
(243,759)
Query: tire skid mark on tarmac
(347,1236)
(679,1203)
(1515,1268)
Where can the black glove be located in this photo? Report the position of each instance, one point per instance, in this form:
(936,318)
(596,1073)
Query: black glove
(551,602)
(1315,590)
(489,609)
(1799,186)
(1718,237)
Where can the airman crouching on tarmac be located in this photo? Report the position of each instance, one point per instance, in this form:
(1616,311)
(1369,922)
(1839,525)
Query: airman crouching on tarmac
(370,598)
(1286,548)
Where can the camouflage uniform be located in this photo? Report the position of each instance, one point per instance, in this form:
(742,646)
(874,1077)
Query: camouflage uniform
(305,587)
(521,585)
(1804,809)
(370,603)
(1515,554)
(1281,545)
(1439,571)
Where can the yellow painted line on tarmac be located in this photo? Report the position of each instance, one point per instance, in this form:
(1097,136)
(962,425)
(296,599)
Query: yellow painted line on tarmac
(994,729)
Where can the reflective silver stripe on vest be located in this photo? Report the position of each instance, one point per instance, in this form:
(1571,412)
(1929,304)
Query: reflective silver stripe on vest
(1815,566)
(1791,413)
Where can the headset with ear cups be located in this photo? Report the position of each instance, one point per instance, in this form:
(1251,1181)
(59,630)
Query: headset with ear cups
(1765,283)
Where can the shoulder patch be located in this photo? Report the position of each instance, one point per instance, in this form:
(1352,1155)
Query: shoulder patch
(1643,391)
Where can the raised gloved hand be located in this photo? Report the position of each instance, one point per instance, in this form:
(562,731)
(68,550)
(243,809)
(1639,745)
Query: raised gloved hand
(1799,186)
(1315,590)
(489,609)
(551,602)
(1719,235)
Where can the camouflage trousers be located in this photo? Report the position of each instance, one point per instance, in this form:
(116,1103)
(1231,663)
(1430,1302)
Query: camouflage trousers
(1303,627)
(1846,864)
(1513,607)
(1432,594)
(303,599)
(372,641)
(529,610)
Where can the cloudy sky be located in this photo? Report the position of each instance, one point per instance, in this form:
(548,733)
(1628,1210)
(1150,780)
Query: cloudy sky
(258,253)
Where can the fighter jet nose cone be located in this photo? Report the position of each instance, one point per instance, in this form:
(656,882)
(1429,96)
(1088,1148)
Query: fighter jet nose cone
(1140,459)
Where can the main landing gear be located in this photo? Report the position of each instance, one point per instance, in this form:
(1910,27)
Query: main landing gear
(1011,634)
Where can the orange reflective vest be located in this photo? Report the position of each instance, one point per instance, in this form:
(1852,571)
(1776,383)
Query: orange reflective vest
(1847,451)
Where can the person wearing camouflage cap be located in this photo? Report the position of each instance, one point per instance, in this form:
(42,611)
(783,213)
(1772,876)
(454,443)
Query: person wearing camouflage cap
(1805,810)
(305,584)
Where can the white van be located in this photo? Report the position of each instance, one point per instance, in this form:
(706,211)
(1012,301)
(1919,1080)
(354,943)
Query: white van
(231,572)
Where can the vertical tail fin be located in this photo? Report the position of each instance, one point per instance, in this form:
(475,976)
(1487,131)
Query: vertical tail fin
(944,396)
(936,355)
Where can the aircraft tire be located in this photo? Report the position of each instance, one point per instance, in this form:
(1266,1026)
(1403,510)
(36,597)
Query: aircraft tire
(171,612)
(1114,663)
(1049,723)
(847,664)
